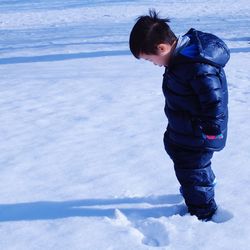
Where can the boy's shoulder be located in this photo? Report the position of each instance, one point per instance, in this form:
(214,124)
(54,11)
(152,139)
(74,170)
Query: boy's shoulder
(200,47)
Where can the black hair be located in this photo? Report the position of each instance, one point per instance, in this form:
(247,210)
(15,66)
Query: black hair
(148,32)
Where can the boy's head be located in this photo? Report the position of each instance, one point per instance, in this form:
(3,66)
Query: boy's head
(152,39)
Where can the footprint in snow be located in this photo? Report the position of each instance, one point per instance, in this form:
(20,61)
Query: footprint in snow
(222,215)
(155,233)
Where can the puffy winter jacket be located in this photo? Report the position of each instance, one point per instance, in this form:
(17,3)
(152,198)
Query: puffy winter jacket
(195,90)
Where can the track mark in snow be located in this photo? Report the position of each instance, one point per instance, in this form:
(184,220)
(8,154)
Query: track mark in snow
(155,233)
(222,215)
(145,223)
(150,231)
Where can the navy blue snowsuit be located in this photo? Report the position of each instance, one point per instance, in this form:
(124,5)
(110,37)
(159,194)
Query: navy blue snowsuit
(196,98)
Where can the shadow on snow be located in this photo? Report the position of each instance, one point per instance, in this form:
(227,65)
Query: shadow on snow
(61,57)
(44,210)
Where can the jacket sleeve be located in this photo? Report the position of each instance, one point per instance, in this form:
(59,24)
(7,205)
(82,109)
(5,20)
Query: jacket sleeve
(206,84)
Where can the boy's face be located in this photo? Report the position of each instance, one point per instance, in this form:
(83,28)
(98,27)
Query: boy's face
(155,59)
(162,57)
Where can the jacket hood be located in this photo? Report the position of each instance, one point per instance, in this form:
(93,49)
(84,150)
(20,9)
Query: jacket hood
(202,47)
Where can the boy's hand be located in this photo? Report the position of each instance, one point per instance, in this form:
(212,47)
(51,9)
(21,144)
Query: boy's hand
(212,137)
(211,132)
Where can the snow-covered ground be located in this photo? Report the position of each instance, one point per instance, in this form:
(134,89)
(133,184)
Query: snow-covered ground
(82,162)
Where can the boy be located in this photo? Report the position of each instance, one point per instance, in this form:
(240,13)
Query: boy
(196,98)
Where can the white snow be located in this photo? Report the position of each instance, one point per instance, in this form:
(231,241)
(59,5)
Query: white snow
(83,164)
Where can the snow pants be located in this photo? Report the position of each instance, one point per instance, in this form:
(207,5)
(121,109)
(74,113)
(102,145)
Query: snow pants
(195,175)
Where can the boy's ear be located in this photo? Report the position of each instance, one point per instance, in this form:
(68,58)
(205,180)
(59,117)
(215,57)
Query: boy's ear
(163,48)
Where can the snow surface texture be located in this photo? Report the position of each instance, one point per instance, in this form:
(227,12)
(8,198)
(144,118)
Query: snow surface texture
(82,159)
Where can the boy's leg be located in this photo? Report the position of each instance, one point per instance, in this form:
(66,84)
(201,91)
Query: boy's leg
(194,173)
